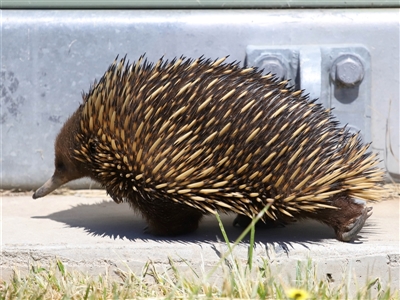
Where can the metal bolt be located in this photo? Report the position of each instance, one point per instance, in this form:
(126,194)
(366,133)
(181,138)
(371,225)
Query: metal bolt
(273,65)
(347,70)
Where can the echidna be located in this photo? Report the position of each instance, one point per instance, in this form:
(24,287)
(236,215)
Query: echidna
(184,138)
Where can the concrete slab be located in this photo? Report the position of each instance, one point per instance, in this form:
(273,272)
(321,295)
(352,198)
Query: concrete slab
(88,231)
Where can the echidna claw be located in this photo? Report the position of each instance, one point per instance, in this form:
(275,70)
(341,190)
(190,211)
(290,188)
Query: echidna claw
(354,228)
(369,213)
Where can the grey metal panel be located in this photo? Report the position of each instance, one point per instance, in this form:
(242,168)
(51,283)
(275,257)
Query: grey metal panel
(196,3)
(50,57)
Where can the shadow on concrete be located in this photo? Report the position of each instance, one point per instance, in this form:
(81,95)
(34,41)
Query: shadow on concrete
(119,221)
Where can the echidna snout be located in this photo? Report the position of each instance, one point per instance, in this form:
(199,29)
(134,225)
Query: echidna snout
(180,139)
(66,167)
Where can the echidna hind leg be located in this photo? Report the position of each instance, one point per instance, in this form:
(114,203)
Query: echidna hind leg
(172,222)
(348,219)
(355,227)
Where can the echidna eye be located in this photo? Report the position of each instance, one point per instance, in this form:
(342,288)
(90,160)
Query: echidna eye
(92,147)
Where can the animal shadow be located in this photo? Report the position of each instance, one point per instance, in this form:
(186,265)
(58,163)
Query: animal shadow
(119,221)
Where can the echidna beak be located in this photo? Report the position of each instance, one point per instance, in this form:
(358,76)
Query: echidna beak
(49,186)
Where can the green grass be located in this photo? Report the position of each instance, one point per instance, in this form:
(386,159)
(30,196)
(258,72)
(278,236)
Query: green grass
(237,282)
(231,278)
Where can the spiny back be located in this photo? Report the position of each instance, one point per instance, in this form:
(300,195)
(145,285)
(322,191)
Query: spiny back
(216,136)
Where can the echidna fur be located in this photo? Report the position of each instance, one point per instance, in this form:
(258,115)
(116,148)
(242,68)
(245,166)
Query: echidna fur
(184,138)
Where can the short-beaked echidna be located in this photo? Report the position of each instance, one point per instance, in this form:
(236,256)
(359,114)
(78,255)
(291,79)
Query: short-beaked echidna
(185,138)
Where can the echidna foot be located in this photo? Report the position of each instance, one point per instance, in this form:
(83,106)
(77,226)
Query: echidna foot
(173,224)
(351,230)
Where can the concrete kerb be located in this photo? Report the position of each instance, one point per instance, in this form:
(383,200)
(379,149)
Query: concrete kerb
(89,232)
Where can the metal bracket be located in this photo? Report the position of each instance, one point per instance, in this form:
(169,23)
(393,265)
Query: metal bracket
(338,75)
